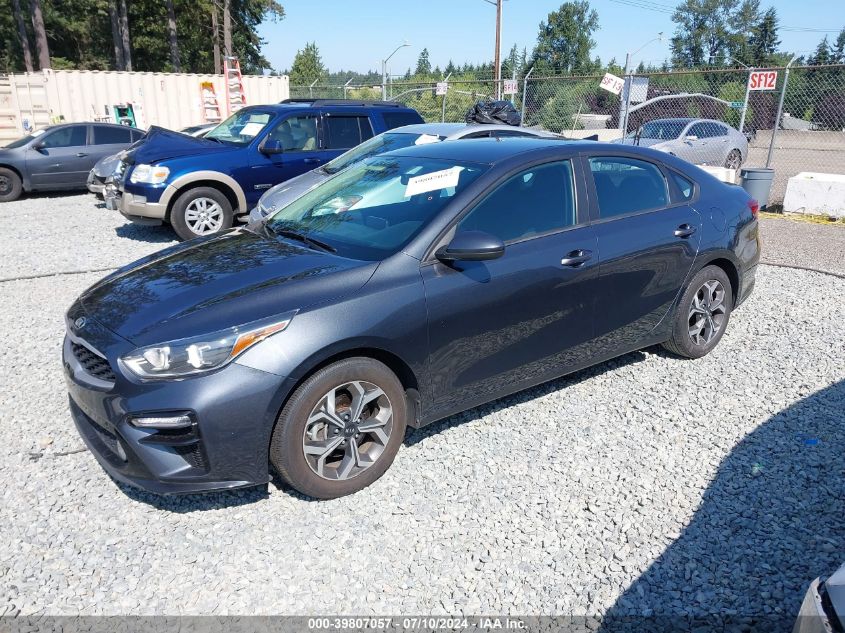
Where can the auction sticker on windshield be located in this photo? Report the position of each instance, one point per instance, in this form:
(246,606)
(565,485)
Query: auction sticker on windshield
(442,179)
(251,129)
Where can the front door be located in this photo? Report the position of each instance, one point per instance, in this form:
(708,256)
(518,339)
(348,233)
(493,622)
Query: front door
(646,245)
(61,160)
(301,151)
(524,316)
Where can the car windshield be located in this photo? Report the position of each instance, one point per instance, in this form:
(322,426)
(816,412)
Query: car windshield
(381,144)
(661,130)
(24,140)
(241,127)
(374,208)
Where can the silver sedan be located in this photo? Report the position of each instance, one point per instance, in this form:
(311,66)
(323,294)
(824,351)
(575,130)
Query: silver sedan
(698,141)
(284,193)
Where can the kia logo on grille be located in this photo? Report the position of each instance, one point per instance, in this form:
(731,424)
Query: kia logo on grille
(80,323)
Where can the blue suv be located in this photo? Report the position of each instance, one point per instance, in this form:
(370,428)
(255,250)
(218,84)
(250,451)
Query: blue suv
(200,185)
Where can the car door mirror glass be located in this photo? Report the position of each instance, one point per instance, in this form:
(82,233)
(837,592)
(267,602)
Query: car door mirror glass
(272,146)
(39,146)
(471,246)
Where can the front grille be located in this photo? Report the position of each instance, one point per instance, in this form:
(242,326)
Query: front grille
(92,363)
(192,454)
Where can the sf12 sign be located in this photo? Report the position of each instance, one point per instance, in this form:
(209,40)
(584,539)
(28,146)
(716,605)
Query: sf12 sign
(510,87)
(763,80)
(612,83)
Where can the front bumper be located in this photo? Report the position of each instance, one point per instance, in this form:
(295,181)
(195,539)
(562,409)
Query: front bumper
(233,412)
(95,184)
(136,208)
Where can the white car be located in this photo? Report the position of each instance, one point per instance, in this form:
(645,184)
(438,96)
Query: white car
(418,134)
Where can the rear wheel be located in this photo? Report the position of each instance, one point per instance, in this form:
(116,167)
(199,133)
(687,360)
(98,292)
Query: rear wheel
(10,185)
(341,429)
(201,211)
(702,315)
(734,159)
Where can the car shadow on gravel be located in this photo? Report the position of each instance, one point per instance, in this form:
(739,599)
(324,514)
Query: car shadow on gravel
(769,523)
(155,234)
(196,502)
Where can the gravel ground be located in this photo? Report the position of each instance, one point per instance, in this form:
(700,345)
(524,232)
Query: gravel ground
(647,484)
(803,244)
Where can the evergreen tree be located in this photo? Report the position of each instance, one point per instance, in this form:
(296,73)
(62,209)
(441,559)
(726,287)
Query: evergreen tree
(764,42)
(307,66)
(566,39)
(423,64)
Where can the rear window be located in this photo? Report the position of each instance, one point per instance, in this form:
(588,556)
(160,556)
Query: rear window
(343,132)
(400,118)
(107,135)
(684,185)
(627,185)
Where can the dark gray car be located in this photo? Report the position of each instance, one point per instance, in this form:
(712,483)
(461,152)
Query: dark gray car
(59,157)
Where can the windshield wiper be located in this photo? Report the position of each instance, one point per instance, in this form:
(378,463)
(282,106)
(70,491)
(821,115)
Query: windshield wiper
(301,237)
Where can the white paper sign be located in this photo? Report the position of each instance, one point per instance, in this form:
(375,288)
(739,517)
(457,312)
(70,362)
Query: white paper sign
(612,83)
(510,87)
(251,129)
(425,139)
(431,182)
(442,88)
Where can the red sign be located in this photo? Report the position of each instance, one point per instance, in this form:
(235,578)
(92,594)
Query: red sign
(763,80)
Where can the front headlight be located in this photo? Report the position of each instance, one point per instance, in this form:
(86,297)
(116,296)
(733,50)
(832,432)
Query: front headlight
(150,174)
(199,354)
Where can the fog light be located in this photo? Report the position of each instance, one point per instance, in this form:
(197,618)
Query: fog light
(162,422)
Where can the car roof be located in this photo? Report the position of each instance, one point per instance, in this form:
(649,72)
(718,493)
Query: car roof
(308,104)
(457,130)
(683,120)
(487,150)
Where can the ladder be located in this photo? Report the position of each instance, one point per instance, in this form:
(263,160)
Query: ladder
(210,105)
(235,98)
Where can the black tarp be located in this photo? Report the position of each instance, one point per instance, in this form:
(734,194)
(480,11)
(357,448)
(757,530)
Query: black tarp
(497,112)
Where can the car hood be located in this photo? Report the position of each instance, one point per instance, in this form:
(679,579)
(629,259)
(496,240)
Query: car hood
(106,166)
(160,144)
(286,192)
(212,283)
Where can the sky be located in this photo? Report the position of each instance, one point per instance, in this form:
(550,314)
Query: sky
(357,34)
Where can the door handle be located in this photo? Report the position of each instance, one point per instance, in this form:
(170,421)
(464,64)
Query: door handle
(576,258)
(685,230)
(81,154)
(312,161)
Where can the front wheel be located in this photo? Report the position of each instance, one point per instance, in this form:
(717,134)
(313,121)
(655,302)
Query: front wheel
(10,185)
(201,211)
(702,315)
(341,429)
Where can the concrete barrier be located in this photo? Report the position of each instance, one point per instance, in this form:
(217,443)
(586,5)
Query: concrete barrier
(814,193)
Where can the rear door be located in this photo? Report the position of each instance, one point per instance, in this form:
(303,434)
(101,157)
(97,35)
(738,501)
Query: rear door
(108,140)
(61,160)
(648,237)
(694,150)
(343,130)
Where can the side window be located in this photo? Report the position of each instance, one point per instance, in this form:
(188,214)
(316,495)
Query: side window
(482,134)
(107,135)
(535,201)
(684,186)
(509,133)
(297,133)
(137,135)
(72,136)
(698,130)
(343,132)
(398,119)
(627,185)
(719,130)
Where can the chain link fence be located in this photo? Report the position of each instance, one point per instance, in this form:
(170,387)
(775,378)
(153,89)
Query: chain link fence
(811,135)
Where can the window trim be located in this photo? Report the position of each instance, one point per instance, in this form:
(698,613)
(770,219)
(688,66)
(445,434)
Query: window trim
(86,142)
(595,210)
(582,217)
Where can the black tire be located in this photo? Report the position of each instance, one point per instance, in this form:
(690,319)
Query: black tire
(10,185)
(734,157)
(287,446)
(682,342)
(198,196)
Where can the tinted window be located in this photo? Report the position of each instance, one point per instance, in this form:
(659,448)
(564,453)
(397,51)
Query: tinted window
(684,186)
(398,119)
(533,202)
(107,135)
(510,133)
(661,130)
(346,131)
(699,130)
(374,207)
(297,134)
(72,136)
(714,129)
(627,185)
(384,142)
(136,135)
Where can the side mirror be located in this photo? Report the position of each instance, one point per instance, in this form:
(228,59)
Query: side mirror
(691,137)
(471,246)
(39,146)
(272,146)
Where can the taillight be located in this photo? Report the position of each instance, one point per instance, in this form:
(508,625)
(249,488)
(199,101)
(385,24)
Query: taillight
(754,206)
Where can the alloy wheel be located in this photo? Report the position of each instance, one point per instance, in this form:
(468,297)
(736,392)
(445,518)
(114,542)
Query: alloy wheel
(347,430)
(5,185)
(734,159)
(204,216)
(707,312)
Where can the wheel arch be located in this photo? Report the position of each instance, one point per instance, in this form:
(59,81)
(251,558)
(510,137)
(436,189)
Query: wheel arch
(728,266)
(223,183)
(25,184)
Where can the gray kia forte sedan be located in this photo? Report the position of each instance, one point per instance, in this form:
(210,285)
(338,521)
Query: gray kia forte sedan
(408,287)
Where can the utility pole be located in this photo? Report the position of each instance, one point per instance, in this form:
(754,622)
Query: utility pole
(497,63)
